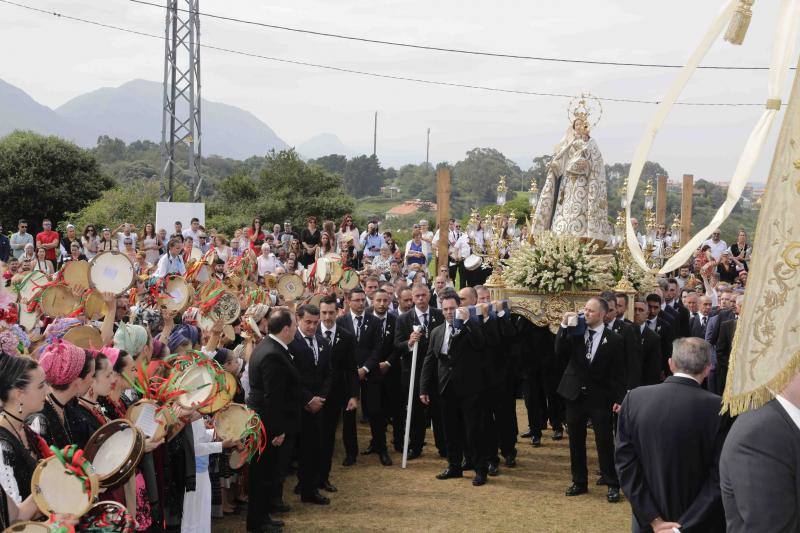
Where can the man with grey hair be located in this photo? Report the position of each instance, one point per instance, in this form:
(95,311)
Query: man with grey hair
(669,441)
(727,330)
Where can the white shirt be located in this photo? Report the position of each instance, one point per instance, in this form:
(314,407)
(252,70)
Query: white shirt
(276,339)
(446,340)
(355,322)
(716,247)
(598,334)
(324,331)
(314,346)
(170,265)
(420,317)
(121,240)
(682,375)
(190,234)
(266,265)
(426,246)
(791,409)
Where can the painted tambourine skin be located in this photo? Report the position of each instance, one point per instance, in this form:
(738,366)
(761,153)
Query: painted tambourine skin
(30,285)
(111,271)
(57,492)
(227,308)
(290,286)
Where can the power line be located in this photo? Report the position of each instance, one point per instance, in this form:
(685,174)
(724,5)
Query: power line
(446,49)
(373,74)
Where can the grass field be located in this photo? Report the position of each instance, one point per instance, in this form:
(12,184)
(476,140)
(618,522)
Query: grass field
(528,498)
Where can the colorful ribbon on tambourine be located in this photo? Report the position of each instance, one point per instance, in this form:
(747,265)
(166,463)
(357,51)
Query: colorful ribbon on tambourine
(255,296)
(57,526)
(113,519)
(241,266)
(194,268)
(75,464)
(9,315)
(208,298)
(254,437)
(347,273)
(194,358)
(36,301)
(82,305)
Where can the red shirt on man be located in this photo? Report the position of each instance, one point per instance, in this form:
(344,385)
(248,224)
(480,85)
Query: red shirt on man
(48,237)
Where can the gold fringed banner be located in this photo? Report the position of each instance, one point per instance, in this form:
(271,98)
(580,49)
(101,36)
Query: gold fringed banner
(766,348)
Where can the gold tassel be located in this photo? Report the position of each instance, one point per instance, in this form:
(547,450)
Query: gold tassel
(740,21)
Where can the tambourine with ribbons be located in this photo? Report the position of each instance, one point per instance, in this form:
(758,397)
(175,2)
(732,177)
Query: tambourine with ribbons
(64,483)
(216,302)
(197,377)
(236,421)
(156,392)
(107,517)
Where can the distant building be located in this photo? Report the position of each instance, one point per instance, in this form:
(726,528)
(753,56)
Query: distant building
(390,191)
(410,206)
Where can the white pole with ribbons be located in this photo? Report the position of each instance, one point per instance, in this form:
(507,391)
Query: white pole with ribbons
(410,397)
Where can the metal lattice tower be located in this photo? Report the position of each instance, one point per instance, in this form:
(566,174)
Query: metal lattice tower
(181,114)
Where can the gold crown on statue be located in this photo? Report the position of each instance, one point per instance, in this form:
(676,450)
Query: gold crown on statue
(584,106)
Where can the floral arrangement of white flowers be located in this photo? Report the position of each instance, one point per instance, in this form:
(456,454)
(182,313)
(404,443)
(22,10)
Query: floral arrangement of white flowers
(557,263)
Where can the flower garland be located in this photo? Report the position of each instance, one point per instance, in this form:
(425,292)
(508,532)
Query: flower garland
(556,263)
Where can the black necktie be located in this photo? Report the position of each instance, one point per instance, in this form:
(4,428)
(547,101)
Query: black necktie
(358,329)
(383,326)
(310,341)
(425,320)
(704,321)
(328,336)
(589,343)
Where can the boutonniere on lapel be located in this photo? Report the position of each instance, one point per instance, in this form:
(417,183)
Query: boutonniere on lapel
(605,340)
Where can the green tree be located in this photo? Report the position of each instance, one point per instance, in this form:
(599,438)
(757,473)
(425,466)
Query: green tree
(476,177)
(45,177)
(287,188)
(363,176)
(332,163)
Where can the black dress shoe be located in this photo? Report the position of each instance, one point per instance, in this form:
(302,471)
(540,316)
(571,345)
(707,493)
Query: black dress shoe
(479,479)
(494,469)
(558,434)
(613,495)
(327,486)
(350,460)
(511,461)
(279,507)
(315,498)
(528,434)
(536,442)
(414,454)
(385,459)
(369,450)
(450,473)
(576,490)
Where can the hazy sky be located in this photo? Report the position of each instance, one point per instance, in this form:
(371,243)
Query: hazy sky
(54,60)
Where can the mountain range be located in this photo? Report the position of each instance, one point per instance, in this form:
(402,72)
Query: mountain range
(132,112)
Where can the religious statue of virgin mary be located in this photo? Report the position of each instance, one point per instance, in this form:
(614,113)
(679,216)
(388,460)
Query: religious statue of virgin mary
(573,199)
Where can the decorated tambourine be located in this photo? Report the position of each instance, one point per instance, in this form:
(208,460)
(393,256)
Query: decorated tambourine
(93,305)
(291,287)
(75,274)
(176,294)
(114,451)
(107,517)
(195,379)
(216,302)
(151,417)
(86,337)
(64,483)
(349,279)
(111,271)
(57,300)
(238,422)
(31,284)
(223,397)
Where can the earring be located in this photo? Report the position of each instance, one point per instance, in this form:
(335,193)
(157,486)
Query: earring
(19,409)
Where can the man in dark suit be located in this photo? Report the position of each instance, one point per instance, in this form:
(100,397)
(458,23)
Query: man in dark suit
(312,360)
(671,301)
(366,331)
(344,383)
(669,441)
(724,312)
(760,466)
(275,394)
(404,340)
(657,321)
(649,345)
(394,377)
(698,323)
(375,395)
(633,366)
(593,385)
(724,345)
(502,374)
(455,366)
(439,286)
